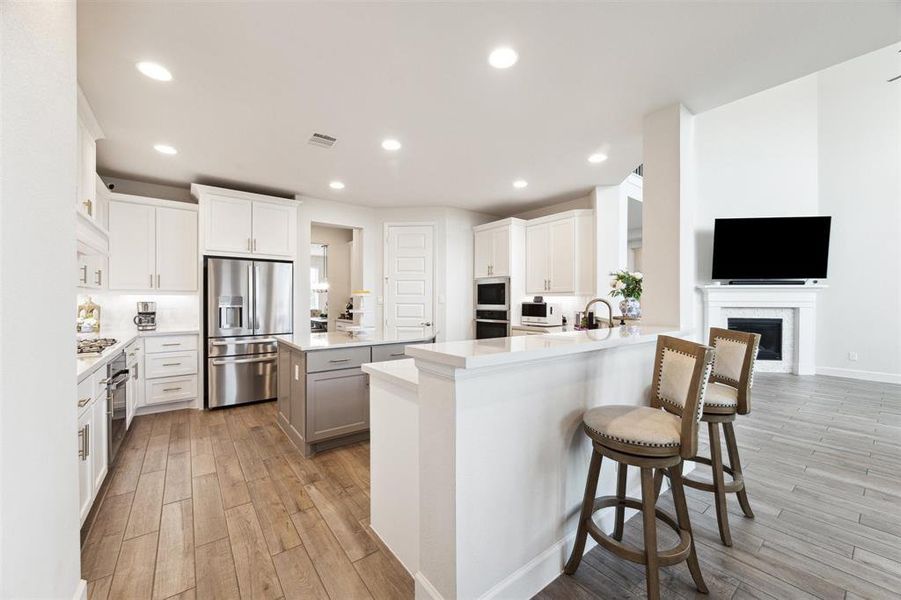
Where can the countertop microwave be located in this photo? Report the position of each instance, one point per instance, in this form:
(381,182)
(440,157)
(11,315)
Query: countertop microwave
(541,313)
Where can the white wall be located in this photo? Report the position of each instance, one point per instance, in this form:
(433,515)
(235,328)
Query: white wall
(824,144)
(859,144)
(39,541)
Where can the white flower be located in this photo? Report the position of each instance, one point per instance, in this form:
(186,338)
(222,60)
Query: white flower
(613,282)
(618,285)
(637,275)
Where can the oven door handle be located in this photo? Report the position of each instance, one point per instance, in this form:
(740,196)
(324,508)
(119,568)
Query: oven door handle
(238,361)
(490,321)
(261,341)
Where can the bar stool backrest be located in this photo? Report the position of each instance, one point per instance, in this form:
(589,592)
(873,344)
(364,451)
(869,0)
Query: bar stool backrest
(734,356)
(681,371)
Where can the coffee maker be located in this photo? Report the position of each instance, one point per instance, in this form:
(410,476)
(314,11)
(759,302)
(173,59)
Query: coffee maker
(146,317)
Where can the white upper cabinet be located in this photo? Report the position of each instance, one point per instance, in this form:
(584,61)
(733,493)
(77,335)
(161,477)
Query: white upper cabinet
(132,260)
(493,248)
(86,183)
(273,229)
(176,250)
(560,254)
(243,224)
(482,251)
(229,224)
(153,244)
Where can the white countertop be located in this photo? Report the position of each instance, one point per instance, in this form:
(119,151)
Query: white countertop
(401,372)
(539,328)
(85,366)
(472,354)
(338,339)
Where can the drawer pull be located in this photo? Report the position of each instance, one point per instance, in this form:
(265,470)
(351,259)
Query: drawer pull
(175,389)
(398,354)
(172,344)
(171,364)
(342,360)
(83,402)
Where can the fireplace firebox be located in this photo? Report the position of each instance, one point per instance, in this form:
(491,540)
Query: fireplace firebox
(770,331)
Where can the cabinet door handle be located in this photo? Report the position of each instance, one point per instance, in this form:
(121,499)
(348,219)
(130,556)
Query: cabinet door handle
(87,440)
(249,247)
(254,244)
(84,274)
(81,454)
(151,280)
(157,280)
(98,277)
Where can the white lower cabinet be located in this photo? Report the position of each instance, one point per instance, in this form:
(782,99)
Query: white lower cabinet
(92,439)
(85,477)
(170,369)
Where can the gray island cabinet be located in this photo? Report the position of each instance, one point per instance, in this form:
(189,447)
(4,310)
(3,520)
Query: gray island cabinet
(323,394)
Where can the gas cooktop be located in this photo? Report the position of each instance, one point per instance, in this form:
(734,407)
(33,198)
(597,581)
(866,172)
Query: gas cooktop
(94,346)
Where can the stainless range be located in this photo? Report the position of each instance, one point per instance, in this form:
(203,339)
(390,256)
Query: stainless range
(247,302)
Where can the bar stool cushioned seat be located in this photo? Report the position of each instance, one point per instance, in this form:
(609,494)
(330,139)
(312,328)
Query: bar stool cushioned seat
(634,425)
(721,398)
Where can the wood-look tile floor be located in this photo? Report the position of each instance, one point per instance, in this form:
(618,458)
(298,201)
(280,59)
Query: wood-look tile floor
(822,463)
(220,505)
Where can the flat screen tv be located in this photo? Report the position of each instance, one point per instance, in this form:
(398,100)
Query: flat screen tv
(771,248)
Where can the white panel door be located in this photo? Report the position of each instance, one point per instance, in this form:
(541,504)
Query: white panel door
(228,224)
(482,250)
(176,250)
(536,259)
(132,242)
(408,279)
(500,246)
(562,256)
(273,225)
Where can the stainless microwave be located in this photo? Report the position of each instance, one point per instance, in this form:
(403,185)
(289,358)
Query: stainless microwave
(541,313)
(492,293)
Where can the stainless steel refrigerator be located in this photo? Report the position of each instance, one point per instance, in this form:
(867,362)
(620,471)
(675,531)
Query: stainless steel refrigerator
(247,303)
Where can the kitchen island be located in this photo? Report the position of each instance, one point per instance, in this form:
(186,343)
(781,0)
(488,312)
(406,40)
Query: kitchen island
(323,394)
(478,458)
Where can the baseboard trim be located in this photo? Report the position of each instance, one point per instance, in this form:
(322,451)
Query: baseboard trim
(81,591)
(877,376)
(424,588)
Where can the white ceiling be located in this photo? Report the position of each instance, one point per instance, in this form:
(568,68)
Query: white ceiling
(253,80)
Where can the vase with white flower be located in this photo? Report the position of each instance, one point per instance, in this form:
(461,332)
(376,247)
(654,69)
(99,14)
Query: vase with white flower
(627,284)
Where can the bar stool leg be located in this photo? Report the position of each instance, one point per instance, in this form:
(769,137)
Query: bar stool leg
(735,463)
(649,518)
(719,484)
(591,487)
(621,472)
(658,482)
(685,525)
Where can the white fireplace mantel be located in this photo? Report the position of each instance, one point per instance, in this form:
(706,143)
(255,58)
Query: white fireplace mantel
(800,298)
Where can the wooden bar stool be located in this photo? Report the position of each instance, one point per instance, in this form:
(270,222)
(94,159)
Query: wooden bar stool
(728,394)
(651,438)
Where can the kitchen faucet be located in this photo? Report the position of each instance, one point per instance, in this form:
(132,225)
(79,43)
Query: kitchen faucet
(609,311)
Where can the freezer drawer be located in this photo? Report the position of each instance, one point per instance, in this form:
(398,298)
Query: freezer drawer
(241,345)
(238,379)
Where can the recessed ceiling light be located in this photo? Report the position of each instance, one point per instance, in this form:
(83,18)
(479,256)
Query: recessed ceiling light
(336,185)
(520,183)
(391,144)
(154,71)
(597,158)
(503,57)
(165,149)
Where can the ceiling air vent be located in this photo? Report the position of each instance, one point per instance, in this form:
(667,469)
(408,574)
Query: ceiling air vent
(322,140)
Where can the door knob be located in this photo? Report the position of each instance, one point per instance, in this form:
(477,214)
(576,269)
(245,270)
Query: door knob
(426,324)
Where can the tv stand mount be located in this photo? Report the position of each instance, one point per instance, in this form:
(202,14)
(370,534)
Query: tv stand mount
(767,282)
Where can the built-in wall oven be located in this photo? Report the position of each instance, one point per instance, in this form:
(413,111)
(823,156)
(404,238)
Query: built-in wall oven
(492,300)
(117,374)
